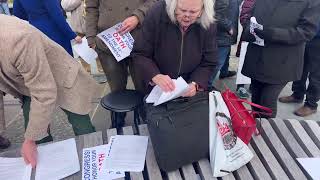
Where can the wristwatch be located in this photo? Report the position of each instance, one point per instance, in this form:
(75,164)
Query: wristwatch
(196,85)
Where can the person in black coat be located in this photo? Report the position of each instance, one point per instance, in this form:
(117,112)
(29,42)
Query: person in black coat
(287,26)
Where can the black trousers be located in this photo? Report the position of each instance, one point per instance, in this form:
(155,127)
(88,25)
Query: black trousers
(311,70)
(266,95)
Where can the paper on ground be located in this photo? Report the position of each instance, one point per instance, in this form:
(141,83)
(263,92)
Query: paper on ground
(157,96)
(127,153)
(94,164)
(85,52)
(14,169)
(311,165)
(255,25)
(120,46)
(242,79)
(57,160)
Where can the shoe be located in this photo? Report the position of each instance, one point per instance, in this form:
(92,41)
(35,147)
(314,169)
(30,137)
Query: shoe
(305,111)
(4,143)
(229,74)
(243,93)
(290,99)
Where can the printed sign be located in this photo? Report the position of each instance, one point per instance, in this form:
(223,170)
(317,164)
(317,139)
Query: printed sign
(94,164)
(120,46)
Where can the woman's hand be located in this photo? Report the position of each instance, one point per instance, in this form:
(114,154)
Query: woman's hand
(129,24)
(164,81)
(191,91)
(78,39)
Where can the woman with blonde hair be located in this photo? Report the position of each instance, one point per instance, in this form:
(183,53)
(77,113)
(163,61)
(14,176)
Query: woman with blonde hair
(178,38)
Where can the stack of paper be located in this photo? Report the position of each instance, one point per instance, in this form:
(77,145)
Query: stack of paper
(157,96)
(85,52)
(55,161)
(127,153)
(311,165)
(14,168)
(255,25)
(94,164)
(123,154)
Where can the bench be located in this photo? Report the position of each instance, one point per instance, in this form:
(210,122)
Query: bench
(275,150)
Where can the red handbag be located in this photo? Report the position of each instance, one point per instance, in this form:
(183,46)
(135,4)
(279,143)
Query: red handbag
(243,120)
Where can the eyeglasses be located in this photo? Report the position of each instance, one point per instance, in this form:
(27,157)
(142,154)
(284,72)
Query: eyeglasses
(187,13)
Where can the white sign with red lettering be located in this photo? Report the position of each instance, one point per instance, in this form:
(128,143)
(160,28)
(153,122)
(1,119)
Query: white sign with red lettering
(120,46)
(94,164)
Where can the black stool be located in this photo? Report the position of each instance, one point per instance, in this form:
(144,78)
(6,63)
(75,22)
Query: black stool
(121,102)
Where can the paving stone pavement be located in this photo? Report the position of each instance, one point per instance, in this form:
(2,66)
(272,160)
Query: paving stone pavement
(61,129)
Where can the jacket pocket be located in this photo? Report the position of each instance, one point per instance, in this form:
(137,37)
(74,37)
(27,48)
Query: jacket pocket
(71,76)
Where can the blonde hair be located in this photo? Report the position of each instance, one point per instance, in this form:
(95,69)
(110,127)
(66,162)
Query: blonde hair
(206,18)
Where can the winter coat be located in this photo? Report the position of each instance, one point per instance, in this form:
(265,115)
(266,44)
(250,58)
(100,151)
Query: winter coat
(103,14)
(161,48)
(47,16)
(41,69)
(77,19)
(288,25)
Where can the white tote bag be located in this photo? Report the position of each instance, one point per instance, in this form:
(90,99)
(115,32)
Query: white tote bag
(227,152)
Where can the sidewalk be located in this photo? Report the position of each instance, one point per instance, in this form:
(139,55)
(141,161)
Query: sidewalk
(61,129)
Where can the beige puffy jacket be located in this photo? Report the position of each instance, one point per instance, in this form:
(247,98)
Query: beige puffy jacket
(77,9)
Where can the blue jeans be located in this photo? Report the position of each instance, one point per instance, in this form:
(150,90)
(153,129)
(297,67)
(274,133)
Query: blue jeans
(4,8)
(223,62)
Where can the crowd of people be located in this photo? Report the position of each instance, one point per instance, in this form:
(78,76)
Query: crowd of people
(173,38)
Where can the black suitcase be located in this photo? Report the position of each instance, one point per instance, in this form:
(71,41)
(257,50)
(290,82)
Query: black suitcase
(179,130)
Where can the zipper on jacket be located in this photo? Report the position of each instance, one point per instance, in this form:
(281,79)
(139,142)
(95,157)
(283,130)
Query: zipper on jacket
(181,53)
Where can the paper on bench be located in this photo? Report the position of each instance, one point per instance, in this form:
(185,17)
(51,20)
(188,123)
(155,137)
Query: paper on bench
(157,96)
(127,153)
(311,165)
(57,160)
(94,164)
(14,169)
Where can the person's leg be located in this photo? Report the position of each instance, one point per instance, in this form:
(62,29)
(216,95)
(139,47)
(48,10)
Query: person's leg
(81,124)
(256,92)
(26,102)
(313,91)
(117,75)
(225,67)
(269,96)
(136,77)
(223,54)
(224,71)
(116,72)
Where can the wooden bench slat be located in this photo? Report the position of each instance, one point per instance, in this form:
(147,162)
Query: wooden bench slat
(287,138)
(243,173)
(288,164)
(133,175)
(188,172)
(267,158)
(313,130)
(112,132)
(205,171)
(303,138)
(174,175)
(257,169)
(151,163)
